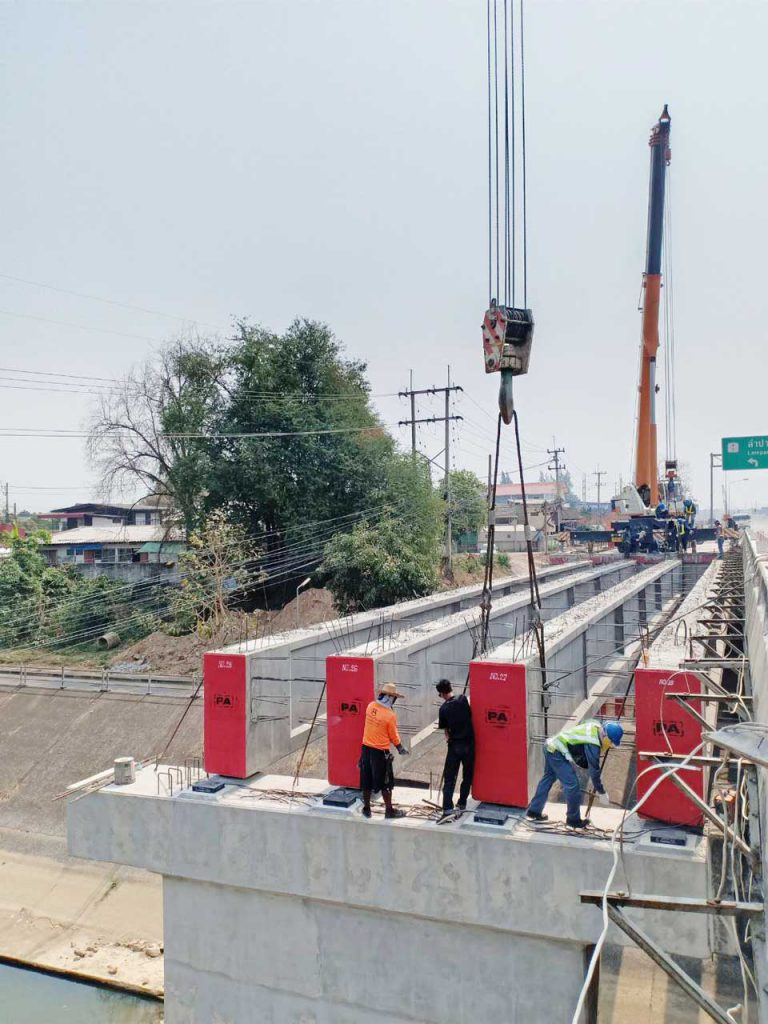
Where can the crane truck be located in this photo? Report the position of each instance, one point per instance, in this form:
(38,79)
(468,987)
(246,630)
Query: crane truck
(646,507)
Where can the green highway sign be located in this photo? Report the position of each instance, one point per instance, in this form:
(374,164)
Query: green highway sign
(745,452)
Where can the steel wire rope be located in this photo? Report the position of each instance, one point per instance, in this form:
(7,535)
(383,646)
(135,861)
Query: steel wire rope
(92,632)
(506,161)
(490,175)
(325,533)
(524,162)
(254,579)
(513,159)
(496,136)
(85,600)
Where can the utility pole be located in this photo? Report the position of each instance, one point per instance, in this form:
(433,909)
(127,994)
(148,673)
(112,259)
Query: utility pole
(712,466)
(7,510)
(556,453)
(599,473)
(447,418)
(584,488)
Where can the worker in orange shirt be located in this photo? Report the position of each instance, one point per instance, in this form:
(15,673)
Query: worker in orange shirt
(376,761)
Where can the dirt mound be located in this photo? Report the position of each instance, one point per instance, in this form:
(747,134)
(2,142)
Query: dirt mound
(314,605)
(183,655)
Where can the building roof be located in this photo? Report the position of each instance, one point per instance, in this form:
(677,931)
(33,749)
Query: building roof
(104,508)
(113,535)
(546,487)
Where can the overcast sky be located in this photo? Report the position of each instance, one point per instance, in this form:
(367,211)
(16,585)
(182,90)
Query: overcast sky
(327,159)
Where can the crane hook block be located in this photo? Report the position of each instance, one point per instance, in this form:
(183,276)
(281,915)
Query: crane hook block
(507,339)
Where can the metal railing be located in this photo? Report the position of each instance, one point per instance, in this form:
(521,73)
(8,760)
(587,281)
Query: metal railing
(63,677)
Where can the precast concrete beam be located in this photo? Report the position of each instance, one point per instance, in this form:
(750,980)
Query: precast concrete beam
(586,639)
(272,684)
(442,648)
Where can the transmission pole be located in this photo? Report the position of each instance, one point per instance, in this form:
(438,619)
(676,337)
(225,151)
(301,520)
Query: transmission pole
(556,453)
(447,418)
(599,473)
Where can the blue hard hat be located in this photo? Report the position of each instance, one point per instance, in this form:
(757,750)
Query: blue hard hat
(614,732)
(661,507)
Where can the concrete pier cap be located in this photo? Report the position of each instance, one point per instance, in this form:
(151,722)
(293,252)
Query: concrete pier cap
(277,908)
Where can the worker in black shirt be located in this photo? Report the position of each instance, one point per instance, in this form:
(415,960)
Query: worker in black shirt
(455,719)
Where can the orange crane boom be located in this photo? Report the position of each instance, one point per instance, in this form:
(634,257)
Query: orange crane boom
(646,458)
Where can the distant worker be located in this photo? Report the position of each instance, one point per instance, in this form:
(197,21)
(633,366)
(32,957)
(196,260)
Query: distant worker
(376,772)
(719,538)
(576,745)
(455,719)
(648,541)
(661,511)
(682,533)
(672,535)
(689,511)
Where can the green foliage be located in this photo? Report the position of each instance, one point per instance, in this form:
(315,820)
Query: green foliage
(376,565)
(396,557)
(468,503)
(295,383)
(214,566)
(469,564)
(52,606)
(94,606)
(500,559)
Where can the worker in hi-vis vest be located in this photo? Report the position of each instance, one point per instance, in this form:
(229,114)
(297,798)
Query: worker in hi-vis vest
(577,745)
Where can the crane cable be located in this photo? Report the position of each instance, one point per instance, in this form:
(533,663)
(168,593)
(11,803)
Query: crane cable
(505,270)
(486,598)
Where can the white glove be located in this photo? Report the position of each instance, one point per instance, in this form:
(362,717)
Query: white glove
(603,799)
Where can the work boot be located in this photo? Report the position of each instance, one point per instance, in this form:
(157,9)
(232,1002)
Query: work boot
(536,816)
(461,807)
(394,812)
(366,812)
(577,822)
(446,816)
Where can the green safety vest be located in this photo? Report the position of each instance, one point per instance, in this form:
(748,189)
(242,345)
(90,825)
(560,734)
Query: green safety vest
(585,732)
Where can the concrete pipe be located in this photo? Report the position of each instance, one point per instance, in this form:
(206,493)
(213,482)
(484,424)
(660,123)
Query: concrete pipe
(108,641)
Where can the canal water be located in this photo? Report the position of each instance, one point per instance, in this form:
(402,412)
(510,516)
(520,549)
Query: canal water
(27,997)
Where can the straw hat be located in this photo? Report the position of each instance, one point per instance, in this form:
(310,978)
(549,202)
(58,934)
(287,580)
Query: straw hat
(390,689)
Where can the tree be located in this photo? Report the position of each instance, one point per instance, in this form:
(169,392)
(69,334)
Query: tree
(394,558)
(330,459)
(154,427)
(216,565)
(469,511)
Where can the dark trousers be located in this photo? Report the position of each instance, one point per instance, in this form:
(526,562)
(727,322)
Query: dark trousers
(460,755)
(558,768)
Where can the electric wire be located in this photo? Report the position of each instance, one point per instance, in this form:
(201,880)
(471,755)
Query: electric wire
(108,302)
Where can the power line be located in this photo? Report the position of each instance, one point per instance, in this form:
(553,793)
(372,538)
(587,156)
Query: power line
(445,419)
(245,435)
(108,302)
(79,327)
